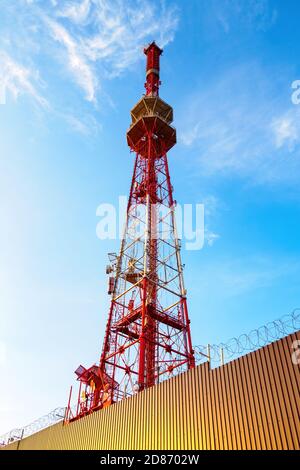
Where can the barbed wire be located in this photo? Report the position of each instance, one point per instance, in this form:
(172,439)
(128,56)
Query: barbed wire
(216,353)
(236,347)
(53,417)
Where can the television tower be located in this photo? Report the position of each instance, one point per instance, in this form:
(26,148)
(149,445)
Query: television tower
(147,337)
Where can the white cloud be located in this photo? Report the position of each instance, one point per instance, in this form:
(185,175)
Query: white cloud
(211,206)
(286,130)
(86,42)
(120,29)
(103,38)
(86,126)
(76,12)
(93,40)
(18,79)
(259,15)
(237,276)
(210,237)
(239,125)
(81,70)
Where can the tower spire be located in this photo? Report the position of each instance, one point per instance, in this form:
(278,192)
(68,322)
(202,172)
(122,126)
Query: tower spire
(147,337)
(153,53)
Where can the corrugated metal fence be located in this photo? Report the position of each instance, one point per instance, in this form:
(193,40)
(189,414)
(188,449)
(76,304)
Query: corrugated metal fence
(250,403)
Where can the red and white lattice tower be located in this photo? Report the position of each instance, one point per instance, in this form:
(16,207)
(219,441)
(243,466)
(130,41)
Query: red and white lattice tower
(147,337)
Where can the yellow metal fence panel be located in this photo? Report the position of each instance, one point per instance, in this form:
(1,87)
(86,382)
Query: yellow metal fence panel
(250,403)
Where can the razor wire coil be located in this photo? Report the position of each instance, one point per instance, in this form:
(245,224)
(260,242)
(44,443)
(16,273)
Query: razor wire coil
(236,347)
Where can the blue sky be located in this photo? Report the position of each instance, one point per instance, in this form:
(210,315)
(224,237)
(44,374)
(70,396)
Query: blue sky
(72,71)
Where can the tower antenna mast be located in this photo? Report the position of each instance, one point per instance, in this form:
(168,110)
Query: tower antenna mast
(147,337)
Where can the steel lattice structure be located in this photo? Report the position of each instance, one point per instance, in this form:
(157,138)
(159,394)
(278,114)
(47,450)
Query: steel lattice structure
(147,336)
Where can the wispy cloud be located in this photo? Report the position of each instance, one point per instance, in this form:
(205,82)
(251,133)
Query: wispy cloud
(286,129)
(210,237)
(19,80)
(239,124)
(116,30)
(76,62)
(86,125)
(102,38)
(211,206)
(237,276)
(89,41)
(77,12)
(250,14)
